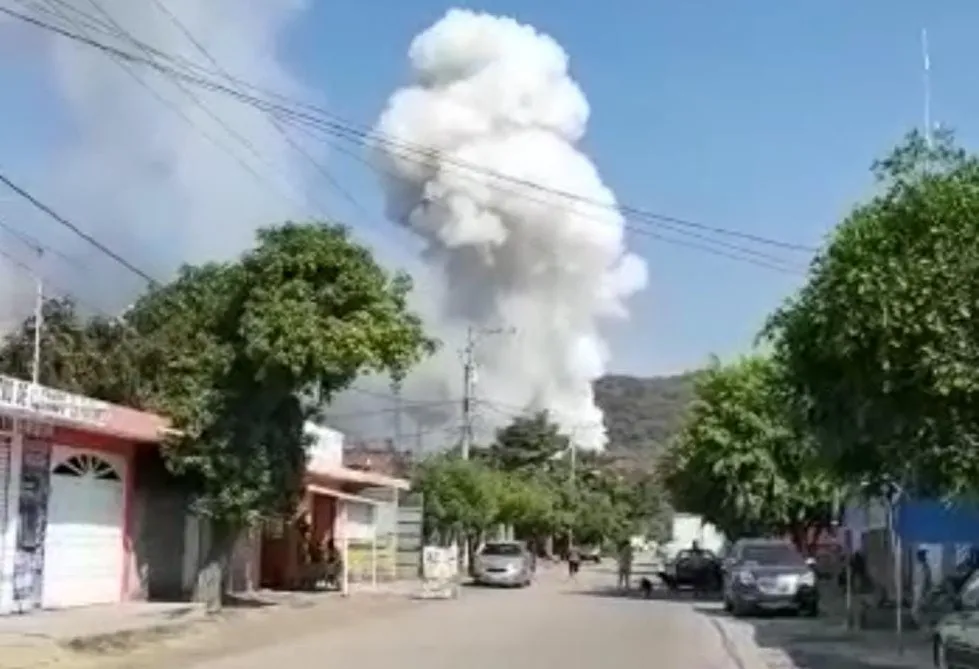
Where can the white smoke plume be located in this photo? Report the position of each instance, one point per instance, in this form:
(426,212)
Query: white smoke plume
(134,166)
(490,97)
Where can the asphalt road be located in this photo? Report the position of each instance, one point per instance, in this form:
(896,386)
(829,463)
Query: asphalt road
(554,623)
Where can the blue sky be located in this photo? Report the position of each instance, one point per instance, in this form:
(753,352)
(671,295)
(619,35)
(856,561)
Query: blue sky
(760,116)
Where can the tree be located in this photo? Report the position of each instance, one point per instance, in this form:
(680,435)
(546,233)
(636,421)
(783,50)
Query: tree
(529,504)
(238,355)
(740,462)
(462,497)
(529,443)
(92,355)
(881,347)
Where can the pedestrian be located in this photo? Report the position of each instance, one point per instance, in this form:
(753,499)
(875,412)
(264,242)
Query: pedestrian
(923,584)
(625,565)
(574,561)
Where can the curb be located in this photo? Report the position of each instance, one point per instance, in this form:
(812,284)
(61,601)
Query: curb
(125,640)
(744,656)
(35,652)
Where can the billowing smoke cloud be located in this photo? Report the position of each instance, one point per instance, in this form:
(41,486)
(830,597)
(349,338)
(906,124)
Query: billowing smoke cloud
(480,140)
(146,166)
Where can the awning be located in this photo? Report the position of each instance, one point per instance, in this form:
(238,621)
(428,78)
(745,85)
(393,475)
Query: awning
(348,475)
(337,494)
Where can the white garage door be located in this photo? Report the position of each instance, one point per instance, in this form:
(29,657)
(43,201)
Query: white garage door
(83,549)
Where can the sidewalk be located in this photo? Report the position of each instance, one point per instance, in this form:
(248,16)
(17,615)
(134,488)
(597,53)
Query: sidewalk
(80,637)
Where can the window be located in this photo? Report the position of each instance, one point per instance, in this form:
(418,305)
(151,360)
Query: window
(87,465)
(772,554)
(508,550)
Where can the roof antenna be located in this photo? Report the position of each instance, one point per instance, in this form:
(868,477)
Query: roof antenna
(926,62)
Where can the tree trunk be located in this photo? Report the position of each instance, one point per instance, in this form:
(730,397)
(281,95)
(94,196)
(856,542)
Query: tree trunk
(805,537)
(472,543)
(212,567)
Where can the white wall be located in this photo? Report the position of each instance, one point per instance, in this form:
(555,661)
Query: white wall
(9,500)
(326,451)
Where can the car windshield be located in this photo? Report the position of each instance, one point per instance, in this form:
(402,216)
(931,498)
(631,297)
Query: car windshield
(507,550)
(772,554)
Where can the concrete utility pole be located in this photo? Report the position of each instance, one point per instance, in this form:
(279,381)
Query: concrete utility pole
(573,478)
(469,380)
(38,321)
(468,371)
(398,409)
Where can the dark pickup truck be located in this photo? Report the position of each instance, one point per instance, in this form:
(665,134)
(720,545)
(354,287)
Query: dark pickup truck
(700,570)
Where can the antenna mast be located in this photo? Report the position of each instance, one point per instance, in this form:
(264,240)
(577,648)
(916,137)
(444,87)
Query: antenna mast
(926,62)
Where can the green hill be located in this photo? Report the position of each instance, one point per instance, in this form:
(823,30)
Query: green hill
(642,414)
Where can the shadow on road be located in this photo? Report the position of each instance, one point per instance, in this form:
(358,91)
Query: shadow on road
(657,594)
(789,640)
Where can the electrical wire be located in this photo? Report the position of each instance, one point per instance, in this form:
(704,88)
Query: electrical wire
(316,164)
(58,218)
(49,286)
(305,114)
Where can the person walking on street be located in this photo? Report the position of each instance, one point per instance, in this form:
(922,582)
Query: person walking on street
(625,565)
(574,561)
(923,584)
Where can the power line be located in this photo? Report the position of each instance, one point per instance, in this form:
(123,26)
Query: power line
(321,119)
(734,252)
(317,165)
(120,32)
(120,61)
(38,204)
(35,274)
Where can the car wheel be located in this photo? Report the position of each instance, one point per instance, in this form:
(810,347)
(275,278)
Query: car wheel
(940,660)
(739,610)
(811,611)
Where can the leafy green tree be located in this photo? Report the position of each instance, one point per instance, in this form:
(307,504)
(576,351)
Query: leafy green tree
(740,462)
(90,355)
(528,504)
(529,443)
(881,347)
(239,354)
(462,498)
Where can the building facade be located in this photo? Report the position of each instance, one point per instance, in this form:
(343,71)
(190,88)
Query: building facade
(66,493)
(341,505)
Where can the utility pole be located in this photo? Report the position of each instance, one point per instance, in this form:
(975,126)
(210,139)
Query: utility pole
(398,409)
(469,380)
(468,371)
(38,322)
(573,479)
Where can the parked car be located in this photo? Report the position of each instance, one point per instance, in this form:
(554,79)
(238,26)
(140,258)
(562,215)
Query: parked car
(505,563)
(697,569)
(768,574)
(591,554)
(956,639)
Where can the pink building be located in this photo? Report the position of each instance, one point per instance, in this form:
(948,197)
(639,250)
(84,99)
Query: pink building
(66,493)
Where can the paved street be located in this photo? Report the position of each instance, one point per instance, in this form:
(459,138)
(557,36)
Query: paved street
(552,624)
